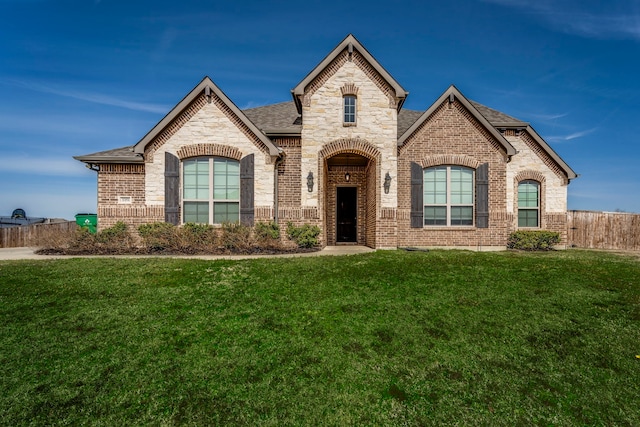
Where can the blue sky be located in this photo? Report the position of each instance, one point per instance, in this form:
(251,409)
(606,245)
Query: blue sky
(81,76)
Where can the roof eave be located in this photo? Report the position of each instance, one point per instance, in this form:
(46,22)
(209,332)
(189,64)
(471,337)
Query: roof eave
(281,132)
(571,174)
(109,159)
(184,103)
(350,40)
(452,90)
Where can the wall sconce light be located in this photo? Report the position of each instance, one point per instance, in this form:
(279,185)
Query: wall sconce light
(310,182)
(387,183)
(347,175)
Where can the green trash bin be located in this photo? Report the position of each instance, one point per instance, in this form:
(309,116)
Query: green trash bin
(87,220)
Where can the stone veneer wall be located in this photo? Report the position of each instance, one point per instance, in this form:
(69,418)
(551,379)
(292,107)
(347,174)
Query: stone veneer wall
(322,113)
(533,163)
(453,132)
(209,123)
(375,127)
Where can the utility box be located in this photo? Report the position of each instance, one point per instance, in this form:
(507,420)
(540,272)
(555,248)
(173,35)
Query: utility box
(89,221)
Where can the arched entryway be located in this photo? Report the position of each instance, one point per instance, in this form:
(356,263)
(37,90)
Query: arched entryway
(350,196)
(346,196)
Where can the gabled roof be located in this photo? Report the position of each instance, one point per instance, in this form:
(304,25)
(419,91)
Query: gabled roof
(204,85)
(570,172)
(117,155)
(350,42)
(497,118)
(456,94)
(281,118)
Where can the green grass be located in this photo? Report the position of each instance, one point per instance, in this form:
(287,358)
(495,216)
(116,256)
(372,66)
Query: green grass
(387,338)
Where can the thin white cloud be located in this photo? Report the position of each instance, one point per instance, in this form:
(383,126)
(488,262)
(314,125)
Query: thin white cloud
(571,136)
(93,97)
(615,19)
(547,117)
(580,134)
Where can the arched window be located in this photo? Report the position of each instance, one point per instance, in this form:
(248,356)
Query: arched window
(528,204)
(448,196)
(210,190)
(349,117)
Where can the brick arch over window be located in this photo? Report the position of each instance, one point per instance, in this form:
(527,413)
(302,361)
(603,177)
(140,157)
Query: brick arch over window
(351,146)
(531,175)
(450,159)
(219,150)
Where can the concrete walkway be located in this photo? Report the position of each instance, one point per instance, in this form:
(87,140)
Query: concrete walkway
(27,253)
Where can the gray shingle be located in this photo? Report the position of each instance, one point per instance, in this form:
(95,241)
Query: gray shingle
(496,117)
(282,116)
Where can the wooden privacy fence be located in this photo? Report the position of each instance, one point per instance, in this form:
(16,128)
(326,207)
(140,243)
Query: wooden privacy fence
(16,237)
(603,230)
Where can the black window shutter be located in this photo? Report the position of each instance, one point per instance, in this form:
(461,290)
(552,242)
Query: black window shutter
(246,190)
(417,208)
(482,196)
(171,189)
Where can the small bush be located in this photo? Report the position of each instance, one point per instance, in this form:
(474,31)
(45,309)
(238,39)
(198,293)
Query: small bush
(265,231)
(235,236)
(533,240)
(305,236)
(198,238)
(159,236)
(115,239)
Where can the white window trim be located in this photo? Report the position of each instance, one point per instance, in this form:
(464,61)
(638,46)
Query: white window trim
(449,205)
(210,198)
(344,110)
(536,208)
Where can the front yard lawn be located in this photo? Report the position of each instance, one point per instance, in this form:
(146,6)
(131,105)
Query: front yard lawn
(387,338)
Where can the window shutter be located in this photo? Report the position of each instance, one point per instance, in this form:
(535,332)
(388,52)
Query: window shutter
(171,189)
(246,190)
(482,196)
(417,205)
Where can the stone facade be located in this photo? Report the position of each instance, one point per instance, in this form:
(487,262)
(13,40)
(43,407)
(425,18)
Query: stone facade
(300,154)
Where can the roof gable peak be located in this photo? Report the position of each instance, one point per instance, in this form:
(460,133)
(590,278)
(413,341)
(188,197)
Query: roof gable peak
(351,44)
(209,88)
(451,95)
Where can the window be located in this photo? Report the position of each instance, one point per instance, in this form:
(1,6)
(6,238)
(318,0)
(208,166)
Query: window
(349,110)
(448,196)
(211,190)
(528,204)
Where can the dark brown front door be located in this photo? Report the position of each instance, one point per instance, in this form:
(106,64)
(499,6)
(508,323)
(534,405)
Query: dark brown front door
(347,214)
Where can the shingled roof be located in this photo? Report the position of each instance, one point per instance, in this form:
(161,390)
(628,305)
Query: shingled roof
(117,155)
(283,119)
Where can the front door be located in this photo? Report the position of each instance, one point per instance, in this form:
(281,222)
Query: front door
(347,214)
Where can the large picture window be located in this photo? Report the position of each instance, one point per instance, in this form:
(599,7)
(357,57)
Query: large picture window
(448,196)
(211,190)
(528,204)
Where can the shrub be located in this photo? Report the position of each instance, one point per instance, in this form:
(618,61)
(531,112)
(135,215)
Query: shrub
(267,230)
(198,237)
(533,240)
(113,240)
(305,236)
(159,236)
(235,236)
